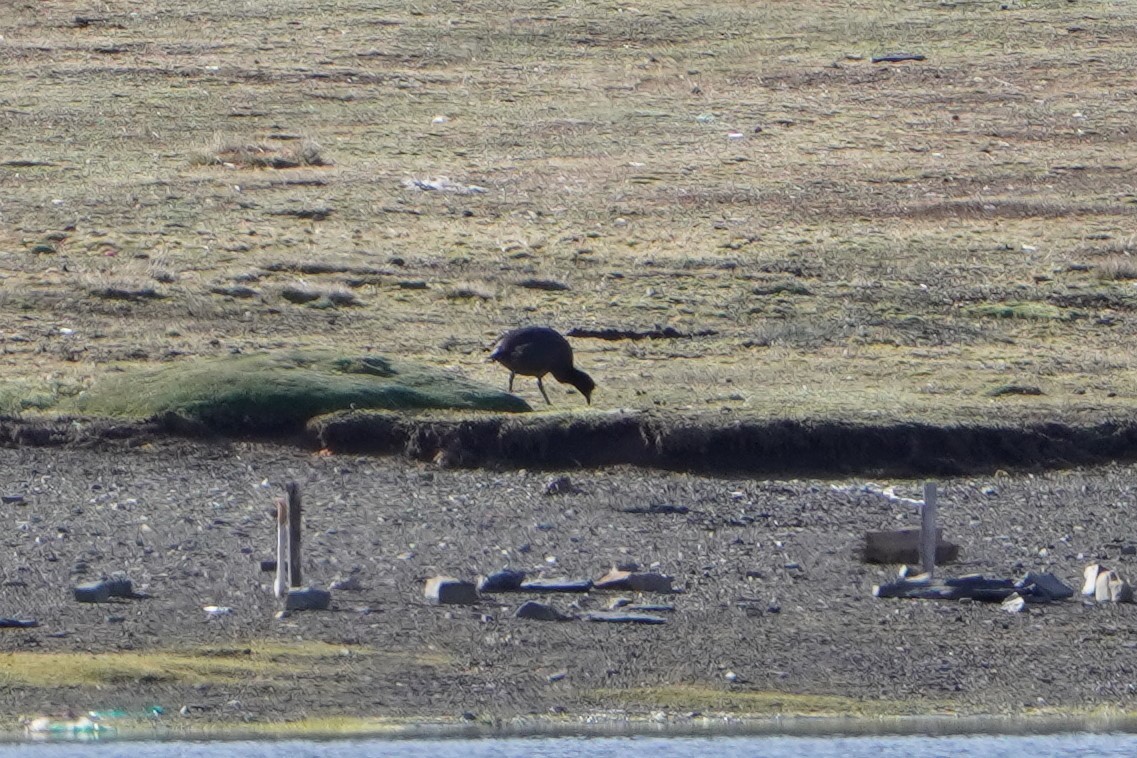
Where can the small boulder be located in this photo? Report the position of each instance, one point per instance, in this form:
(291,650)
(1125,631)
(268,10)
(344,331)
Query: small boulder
(647,581)
(506,580)
(539,612)
(92,592)
(445,590)
(307,599)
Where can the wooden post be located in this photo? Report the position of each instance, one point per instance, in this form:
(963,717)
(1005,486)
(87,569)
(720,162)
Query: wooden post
(280,587)
(293,490)
(928,535)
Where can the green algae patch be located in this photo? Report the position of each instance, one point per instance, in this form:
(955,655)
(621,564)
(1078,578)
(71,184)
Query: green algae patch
(751,703)
(279,392)
(205,665)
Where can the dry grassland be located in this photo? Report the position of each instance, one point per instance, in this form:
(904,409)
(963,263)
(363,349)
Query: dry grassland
(835,236)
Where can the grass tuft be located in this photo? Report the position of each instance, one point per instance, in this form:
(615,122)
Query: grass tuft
(233,153)
(279,392)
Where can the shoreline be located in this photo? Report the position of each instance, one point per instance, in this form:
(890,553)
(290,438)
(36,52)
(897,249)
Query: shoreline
(609,724)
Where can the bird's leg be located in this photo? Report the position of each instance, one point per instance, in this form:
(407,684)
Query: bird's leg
(511,375)
(541,387)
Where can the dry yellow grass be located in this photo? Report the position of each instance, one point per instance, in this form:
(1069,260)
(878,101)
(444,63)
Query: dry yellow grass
(845,228)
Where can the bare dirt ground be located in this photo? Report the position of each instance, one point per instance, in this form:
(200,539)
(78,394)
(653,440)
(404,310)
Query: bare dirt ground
(771,589)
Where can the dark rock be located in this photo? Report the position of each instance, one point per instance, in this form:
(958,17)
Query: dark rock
(506,580)
(92,592)
(307,599)
(1042,588)
(445,590)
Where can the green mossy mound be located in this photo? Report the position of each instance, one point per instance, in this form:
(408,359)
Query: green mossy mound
(280,392)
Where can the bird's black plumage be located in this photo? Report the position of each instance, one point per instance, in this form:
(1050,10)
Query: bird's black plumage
(539,350)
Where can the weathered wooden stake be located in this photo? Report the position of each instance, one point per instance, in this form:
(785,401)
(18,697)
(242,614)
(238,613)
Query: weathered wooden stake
(293,490)
(280,587)
(928,533)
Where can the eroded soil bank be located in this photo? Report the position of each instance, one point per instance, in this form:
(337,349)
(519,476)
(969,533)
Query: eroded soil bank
(774,598)
(694,444)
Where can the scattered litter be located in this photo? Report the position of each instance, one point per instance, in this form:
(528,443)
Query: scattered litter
(443,184)
(217,610)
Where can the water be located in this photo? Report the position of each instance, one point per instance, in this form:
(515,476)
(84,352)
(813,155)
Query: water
(910,746)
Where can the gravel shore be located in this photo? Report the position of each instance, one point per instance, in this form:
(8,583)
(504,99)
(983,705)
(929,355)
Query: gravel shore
(774,597)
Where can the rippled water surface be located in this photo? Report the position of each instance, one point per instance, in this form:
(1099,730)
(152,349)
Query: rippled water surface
(988,746)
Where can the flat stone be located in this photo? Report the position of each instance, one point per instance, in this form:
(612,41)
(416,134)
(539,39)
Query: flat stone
(539,612)
(506,580)
(307,599)
(1101,586)
(1046,587)
(1090,574)
(557,585)
(446,590)
(648,581)
(620,617)
(92,592)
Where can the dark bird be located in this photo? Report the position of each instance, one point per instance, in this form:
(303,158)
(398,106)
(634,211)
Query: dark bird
(539,350)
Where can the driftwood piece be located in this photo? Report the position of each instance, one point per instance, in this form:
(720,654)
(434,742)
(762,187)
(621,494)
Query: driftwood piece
(898,57)
(557,585)
(1033,588)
